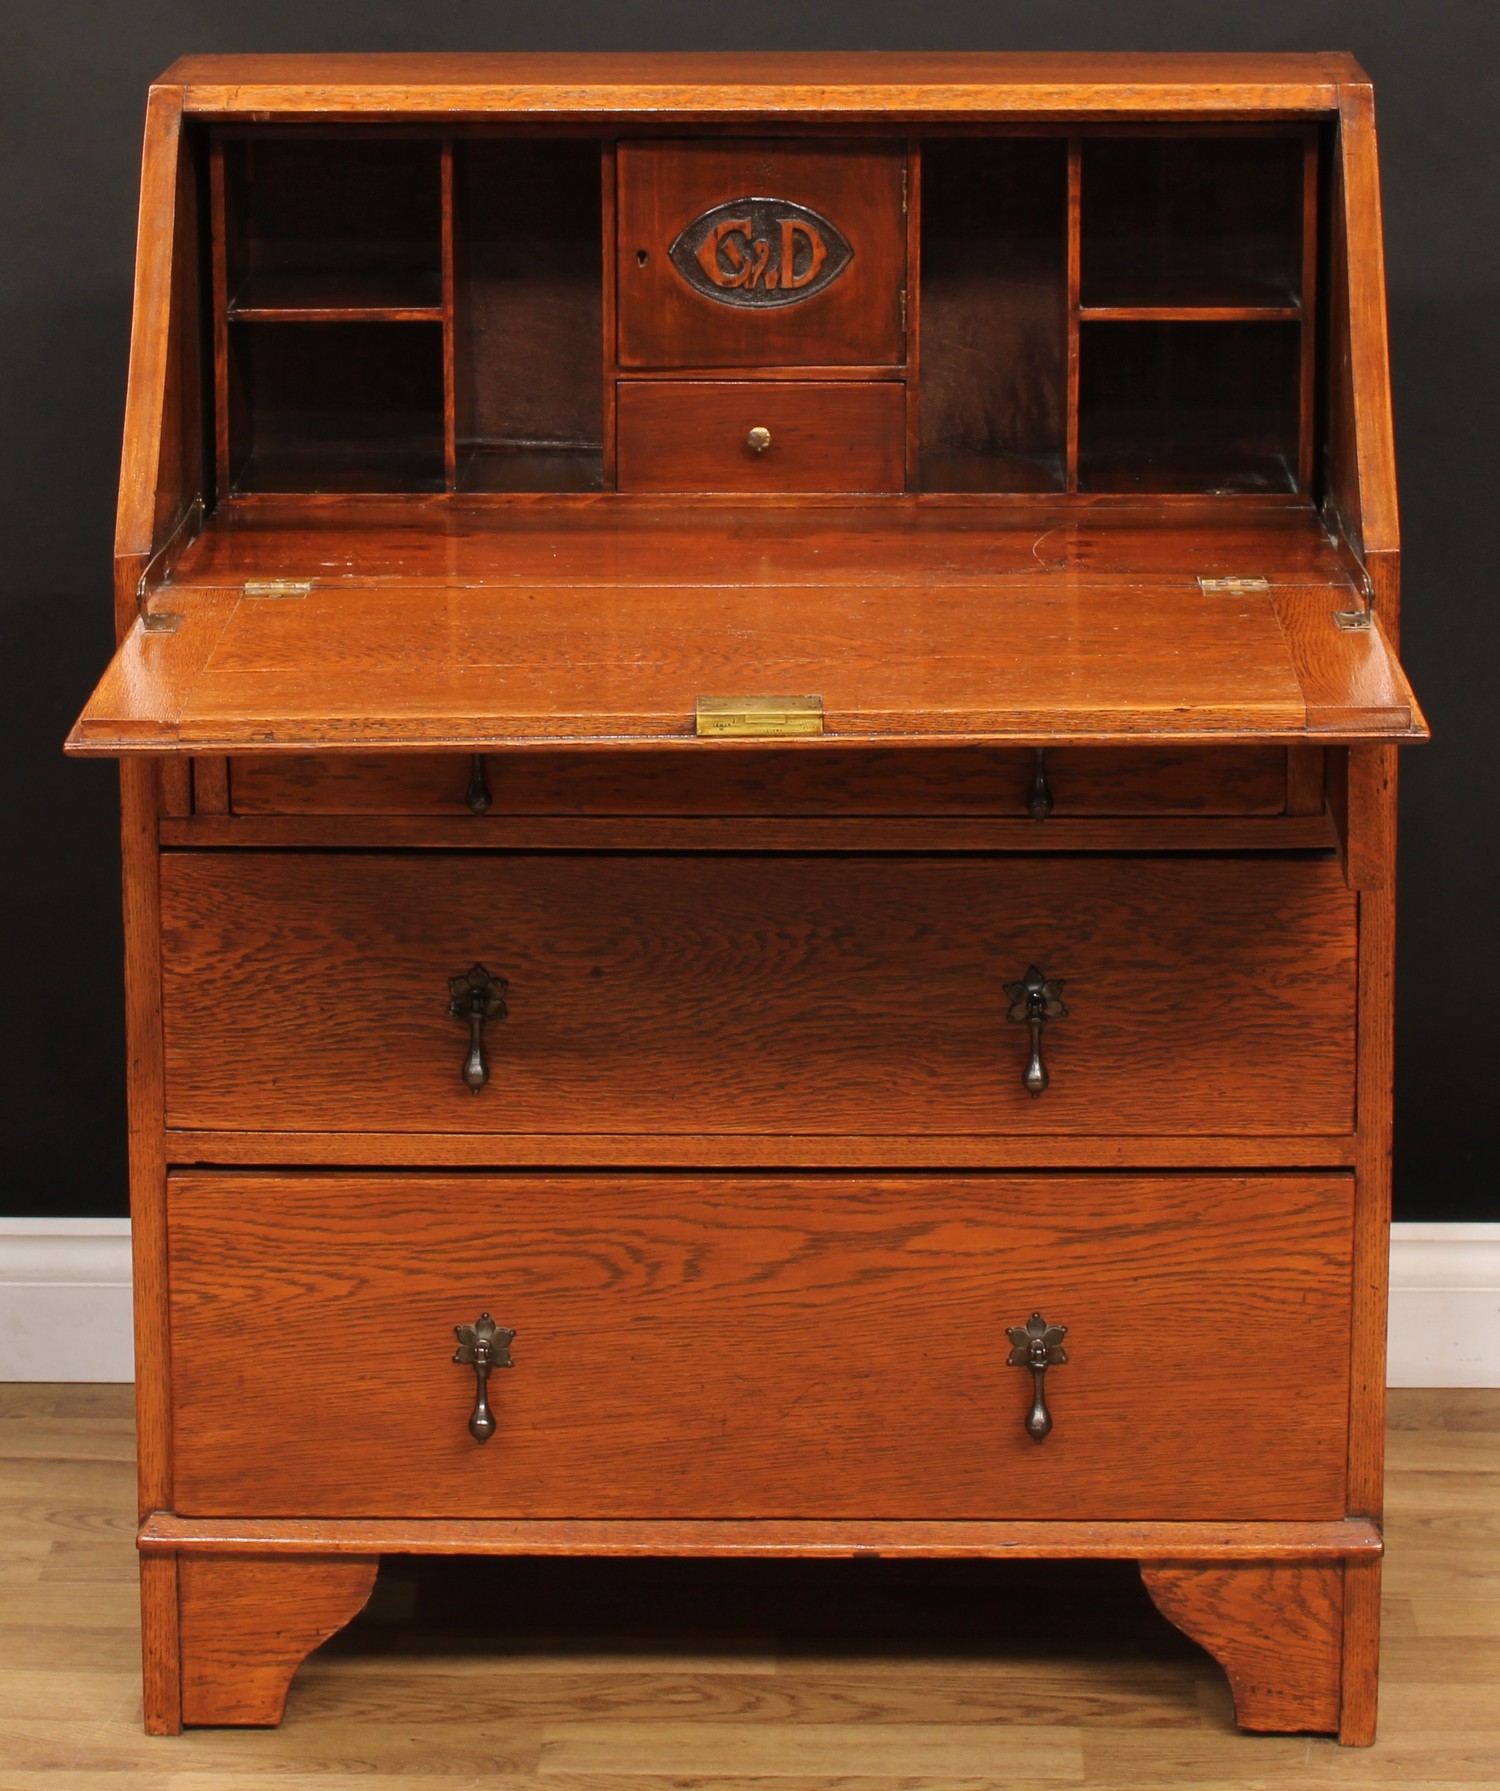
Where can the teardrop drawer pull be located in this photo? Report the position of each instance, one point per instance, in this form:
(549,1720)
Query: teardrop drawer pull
(1034,1001)
(477,796)
(476,996)
(1038,1346)
(482,1346)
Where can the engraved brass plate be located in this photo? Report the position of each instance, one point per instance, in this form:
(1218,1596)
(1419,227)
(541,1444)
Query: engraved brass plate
(760,253)
(765,717)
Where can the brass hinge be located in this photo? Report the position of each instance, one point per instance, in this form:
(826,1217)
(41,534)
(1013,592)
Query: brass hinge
(161,621)
(1232,587)
(763,717)
(903,310)
(277,587)
(1354,621)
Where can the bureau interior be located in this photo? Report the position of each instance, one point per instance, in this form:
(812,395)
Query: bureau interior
(395,312)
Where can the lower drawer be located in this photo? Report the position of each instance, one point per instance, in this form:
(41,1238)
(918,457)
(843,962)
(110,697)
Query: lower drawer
(757,1347)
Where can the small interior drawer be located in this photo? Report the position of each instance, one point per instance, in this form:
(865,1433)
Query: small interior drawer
(761,435)
(758,1346)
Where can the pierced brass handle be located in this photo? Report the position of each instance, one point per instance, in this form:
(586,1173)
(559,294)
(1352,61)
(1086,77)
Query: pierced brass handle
(477,796)
(482,1346)
(758,440)
(1034,1001)
(476,996)
(1038,1346)
(1039,802)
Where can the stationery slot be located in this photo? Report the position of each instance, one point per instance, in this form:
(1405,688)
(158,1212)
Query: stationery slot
(994,314)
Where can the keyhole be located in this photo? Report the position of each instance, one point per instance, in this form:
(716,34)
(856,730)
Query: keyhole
(641,257)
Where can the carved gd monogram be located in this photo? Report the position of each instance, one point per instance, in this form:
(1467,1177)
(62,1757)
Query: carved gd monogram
(760,252)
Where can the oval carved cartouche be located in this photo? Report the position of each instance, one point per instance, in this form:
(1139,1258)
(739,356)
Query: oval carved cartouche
(760,253)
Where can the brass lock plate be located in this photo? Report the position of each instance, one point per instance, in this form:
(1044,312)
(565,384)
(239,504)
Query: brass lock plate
(758,717)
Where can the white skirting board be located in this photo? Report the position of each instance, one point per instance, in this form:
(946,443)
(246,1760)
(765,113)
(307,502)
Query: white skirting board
(65,1302)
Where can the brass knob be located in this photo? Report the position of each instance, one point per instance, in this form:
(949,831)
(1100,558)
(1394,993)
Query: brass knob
(758,440)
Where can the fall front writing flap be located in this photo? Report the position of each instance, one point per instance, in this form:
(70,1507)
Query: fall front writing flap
(285,666)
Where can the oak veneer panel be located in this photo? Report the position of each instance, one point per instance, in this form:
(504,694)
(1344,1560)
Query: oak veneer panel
(1347,674)
(746,834)
(149,681)
(1341,1539)
(767,780)
(691,435)
(796,85)
(855,319)
(249,1622)
(745,1347)
(887,1151)
(1275,1627)
(345,668)
(933,542)
(781,994)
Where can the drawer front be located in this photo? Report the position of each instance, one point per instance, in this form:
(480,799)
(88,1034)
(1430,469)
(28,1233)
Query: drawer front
(760,254)
(767,780)
(737,994)
(817,1347)
(761,435)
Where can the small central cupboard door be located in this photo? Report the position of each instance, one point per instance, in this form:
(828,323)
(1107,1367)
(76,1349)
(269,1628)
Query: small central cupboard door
(774,253)
(737,993)
(822,1346)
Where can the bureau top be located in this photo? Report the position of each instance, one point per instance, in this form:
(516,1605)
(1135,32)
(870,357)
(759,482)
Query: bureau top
(767,87)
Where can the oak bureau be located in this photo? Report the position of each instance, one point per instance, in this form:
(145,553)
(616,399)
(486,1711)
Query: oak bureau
(758,699)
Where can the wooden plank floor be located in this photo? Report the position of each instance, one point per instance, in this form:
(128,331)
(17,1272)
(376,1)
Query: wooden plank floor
(663,1676)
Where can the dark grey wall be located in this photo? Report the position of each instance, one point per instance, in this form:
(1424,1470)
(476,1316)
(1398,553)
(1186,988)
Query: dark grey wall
(69,145)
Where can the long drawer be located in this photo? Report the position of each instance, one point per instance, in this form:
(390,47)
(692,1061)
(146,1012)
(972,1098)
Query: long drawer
(789,994)
(756,1347)
(1079,781)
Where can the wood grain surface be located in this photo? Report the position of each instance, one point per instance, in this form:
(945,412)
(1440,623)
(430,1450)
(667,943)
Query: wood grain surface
(344,668)
(663,187)
(780,994)
(248,1623)
(764,85)
(767,779)
(1275,1629)
(937,542)
(759,1150)
(164,1535)
(727,1347)
(692,435)
(927,1674)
